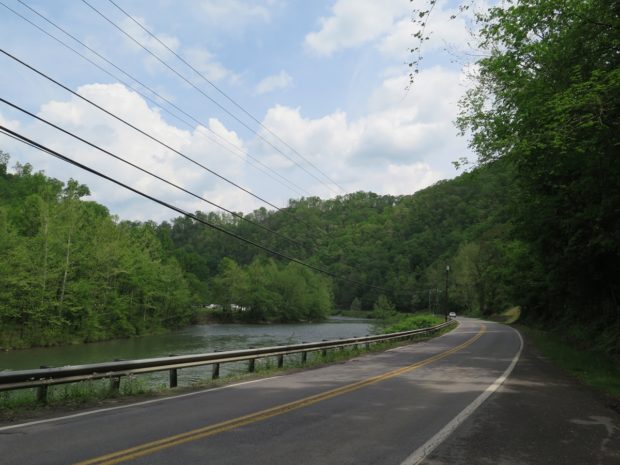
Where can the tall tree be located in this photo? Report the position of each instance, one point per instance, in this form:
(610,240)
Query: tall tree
(547,98)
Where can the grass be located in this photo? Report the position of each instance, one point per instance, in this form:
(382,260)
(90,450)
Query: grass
(70,396)
(20,403)
(592,368)
(404,322)
(507,317)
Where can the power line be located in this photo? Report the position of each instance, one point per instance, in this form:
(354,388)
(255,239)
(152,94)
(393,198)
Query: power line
(153,138)
(43,148)
(133,165)
(232,115)
(201,125)
(224,94)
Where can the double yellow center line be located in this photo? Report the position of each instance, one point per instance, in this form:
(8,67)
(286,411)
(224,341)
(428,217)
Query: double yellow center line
(199,433)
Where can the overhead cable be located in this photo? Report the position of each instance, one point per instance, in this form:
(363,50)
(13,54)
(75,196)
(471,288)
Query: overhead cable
(224,94)
(43,148)
(151,137)
(133,165)
(201,125)
(207,96)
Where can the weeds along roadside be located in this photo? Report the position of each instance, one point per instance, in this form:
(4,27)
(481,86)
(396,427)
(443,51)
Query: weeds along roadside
(591,367)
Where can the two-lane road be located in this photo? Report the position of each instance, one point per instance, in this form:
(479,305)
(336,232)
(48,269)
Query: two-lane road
(379,408)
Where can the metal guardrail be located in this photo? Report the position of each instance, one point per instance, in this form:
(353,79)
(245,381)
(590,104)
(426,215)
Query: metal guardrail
(43,377)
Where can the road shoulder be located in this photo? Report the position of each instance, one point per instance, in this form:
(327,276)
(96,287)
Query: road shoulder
(540,415)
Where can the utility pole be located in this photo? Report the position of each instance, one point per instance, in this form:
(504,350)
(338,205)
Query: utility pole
(446,293)
(430,308)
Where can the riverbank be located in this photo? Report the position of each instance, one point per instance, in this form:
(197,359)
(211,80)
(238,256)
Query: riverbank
(207,317)
(189,340)
(22,404)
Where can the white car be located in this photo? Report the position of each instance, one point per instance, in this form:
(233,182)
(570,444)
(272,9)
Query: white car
(452,315)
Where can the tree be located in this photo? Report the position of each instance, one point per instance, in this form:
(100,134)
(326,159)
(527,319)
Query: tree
(478,274)
(383,308)
(547,98)
(70,273)
(356,305)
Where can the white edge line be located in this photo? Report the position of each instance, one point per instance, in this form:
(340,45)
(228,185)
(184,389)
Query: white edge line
(135,404)
(422,452)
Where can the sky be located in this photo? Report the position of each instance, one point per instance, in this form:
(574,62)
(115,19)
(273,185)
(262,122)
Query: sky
(283,98)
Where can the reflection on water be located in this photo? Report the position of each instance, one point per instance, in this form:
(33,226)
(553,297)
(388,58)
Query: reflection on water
(191,340)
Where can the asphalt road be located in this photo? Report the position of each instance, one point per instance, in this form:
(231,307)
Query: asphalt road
(375,409)
(539,416)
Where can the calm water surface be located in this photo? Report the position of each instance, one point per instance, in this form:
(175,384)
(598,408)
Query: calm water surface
(191,340)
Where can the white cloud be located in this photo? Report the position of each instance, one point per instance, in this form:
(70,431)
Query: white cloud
(205,62)
(403,143)
(145,39)
(234,14)
(9,123)
(282,80)
(442,30)
(397,179)
(199,57)
(389,150)
(91,124)
(355,22)
(388,25)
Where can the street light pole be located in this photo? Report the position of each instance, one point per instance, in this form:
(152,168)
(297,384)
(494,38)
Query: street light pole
(446,293)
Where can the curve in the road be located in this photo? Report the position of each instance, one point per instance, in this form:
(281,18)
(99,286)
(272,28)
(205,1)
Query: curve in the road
(376,408)
(199,433)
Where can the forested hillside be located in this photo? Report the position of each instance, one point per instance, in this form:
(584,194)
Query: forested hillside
(397,246)
(547,100)
(535,223)
(70,272)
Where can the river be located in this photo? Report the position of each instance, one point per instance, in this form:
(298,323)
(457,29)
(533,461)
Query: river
(190,340)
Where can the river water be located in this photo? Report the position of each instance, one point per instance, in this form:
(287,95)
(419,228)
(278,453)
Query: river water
(190,340)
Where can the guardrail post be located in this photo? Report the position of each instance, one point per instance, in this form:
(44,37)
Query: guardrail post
(41,379)
(42,394)
(115,384)
(42,390)
(173,377)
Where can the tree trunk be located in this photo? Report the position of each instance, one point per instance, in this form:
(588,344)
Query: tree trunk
(64,277)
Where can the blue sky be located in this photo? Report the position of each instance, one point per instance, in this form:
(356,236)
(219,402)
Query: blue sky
(328,77)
